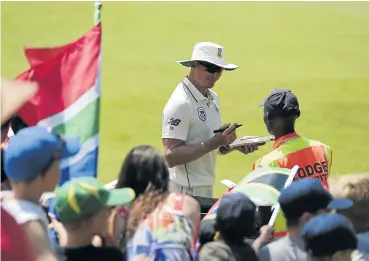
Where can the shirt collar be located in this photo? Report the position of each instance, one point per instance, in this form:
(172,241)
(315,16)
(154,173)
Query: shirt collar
(284,139)
(195,92)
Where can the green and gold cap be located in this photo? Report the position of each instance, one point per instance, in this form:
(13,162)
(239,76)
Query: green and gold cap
(82,197)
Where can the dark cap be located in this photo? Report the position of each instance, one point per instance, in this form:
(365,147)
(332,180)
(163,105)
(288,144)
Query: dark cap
(308,195)
(236,216)
(207,231)
(281,103)
(327,234)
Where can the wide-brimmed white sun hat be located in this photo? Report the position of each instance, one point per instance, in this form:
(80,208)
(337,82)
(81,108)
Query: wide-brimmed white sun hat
(209,52)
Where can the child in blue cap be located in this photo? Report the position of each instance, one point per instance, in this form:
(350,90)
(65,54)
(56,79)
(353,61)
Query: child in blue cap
(329,237)
(32,164)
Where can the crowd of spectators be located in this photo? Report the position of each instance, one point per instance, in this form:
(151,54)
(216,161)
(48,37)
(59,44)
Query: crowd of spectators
(140,219)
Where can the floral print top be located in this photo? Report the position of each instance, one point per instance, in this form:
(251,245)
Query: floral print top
(163,235)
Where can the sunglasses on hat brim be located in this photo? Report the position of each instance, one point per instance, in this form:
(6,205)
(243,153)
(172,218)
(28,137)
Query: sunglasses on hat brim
(211,68)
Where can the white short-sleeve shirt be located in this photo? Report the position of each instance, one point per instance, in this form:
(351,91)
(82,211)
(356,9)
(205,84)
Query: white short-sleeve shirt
(24,211)
(192,117)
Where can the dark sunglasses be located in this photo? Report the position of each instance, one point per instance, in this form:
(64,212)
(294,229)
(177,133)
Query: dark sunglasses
(211,68)
(56,154)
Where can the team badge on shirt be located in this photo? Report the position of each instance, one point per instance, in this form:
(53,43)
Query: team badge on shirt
(201,113)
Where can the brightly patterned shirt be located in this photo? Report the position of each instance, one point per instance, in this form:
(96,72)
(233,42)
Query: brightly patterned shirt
(163,235)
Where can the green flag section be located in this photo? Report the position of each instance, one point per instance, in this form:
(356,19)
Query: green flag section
(77,125)
(263,187)
(68,100)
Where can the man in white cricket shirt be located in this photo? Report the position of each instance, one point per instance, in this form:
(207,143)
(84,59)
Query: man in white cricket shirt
(190,116)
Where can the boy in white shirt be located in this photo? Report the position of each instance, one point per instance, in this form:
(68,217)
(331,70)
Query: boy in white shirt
(32,164)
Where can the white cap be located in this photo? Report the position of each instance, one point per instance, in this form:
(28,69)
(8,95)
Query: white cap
(209,52)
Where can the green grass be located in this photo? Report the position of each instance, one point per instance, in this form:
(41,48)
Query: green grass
(319,50)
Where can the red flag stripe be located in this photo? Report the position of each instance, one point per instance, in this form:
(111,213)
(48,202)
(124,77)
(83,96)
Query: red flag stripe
(63,74)
(37,56)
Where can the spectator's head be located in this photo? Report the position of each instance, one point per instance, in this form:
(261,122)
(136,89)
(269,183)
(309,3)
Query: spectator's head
(281,109)
(155,183)
(207,232)
(235,218)
(33,156)
(356,188)
(144,169)
(305,199)
(329,237)
(83,205)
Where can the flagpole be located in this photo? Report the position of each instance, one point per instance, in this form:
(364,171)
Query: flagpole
(97,20)
(97,14)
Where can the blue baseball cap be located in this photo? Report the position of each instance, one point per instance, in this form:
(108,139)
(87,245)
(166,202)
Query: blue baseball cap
(308,195)
(236,216)
(33,149)
(327,234)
